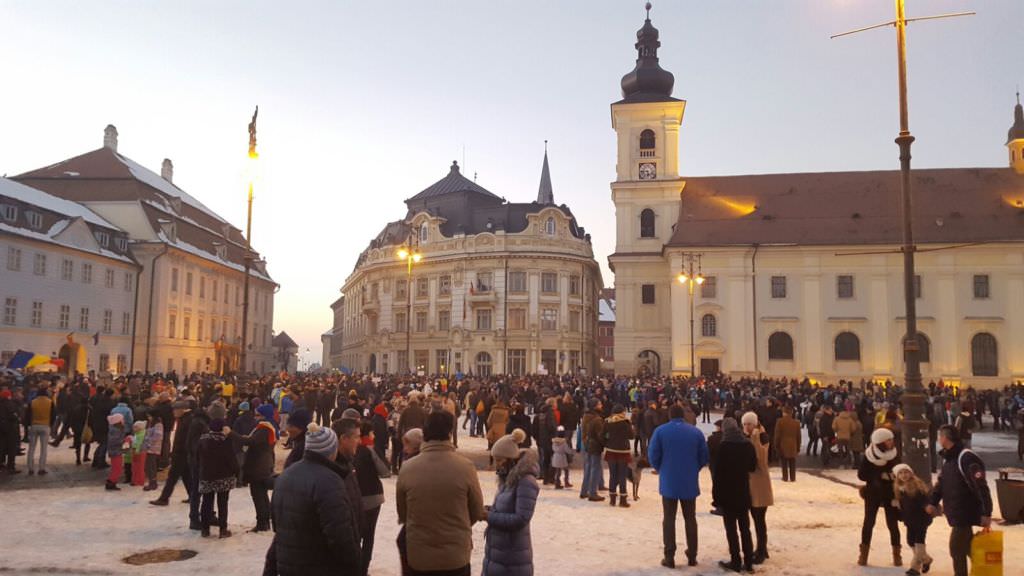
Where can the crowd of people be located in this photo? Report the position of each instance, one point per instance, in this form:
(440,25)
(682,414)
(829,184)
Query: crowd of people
(344,433)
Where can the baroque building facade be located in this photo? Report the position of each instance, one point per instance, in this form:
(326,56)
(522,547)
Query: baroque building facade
(498,288)
(188,313)
(802,273)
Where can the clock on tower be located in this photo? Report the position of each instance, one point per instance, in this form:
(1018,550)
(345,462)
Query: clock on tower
(648,171)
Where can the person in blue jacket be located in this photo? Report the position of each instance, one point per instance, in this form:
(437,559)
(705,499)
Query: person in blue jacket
(678,451)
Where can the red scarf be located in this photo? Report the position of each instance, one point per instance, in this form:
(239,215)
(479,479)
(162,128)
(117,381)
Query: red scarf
(271,435)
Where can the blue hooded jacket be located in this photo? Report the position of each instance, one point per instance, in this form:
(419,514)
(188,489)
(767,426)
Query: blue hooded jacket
(678,451)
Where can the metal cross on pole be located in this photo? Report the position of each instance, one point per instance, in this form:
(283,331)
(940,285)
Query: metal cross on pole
(914,427)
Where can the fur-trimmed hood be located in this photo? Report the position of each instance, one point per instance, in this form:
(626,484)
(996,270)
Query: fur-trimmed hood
(527,465)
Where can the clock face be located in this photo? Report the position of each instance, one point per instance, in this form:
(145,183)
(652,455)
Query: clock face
(647,171)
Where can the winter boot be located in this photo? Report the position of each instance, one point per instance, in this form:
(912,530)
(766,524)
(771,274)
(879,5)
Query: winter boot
(862,560)
(623,501)
(612,498)
(897,556)
(205,531)
(112,486)
(224,533)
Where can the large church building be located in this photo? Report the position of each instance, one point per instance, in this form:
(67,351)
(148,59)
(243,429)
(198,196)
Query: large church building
(802,273)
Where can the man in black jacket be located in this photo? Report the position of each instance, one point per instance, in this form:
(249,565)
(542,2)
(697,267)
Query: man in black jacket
(179,454)
(316,528)
(963,492)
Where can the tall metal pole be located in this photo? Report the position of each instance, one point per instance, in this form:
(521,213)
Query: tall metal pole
(247,259)
(693,367)
(408,316)
(914,427)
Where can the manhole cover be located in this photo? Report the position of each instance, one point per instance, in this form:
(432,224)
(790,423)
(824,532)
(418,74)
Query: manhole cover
(159,556)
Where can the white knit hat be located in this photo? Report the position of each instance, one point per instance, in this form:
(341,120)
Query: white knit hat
(749,418)
(881,435)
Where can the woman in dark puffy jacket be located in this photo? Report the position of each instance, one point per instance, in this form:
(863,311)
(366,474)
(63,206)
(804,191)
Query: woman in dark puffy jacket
(258,466)
(508,550)
(218,471)
(618,431)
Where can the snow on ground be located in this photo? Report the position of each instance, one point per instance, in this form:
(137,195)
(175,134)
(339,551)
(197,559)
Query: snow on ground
(814,529)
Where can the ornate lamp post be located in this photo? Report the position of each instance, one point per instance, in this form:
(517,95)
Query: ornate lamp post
(248,258)
(690,278)
(411,256)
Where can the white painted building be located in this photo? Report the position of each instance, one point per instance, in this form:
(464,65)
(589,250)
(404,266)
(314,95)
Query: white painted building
(190,306)
(804,271)
(67,282)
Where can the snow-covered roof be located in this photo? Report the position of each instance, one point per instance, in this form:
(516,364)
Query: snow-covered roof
(46,201)
(52,234)
(154,180)
(196,251)
(606,310)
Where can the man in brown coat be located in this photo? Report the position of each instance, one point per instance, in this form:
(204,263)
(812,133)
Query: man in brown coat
(787,443)
(439,499)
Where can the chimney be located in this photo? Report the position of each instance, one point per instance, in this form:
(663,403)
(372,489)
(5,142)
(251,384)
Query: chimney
(110,137)
(167,170)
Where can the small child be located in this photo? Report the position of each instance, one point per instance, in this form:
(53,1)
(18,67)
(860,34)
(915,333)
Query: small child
(561,457)
(115,449)
(912,499)
(151,445)
(138,465)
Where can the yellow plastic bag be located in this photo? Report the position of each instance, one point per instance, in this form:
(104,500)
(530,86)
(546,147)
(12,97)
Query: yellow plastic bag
(987,554)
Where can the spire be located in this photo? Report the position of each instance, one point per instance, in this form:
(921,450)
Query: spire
(648,82)
(545,195)
(1017,130)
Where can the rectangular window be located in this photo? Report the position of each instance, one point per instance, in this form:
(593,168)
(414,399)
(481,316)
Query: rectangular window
(483,319)
(403,360)
(199,330)
(13,258)
(574,361)
(104,362)
(917,286)
(128,281)
(87,273)
(227,290)
(39,265)
(422,287)
(778,286)
(421,357)
(444,285)
(709,288)
(517,281)
(401,289)
(517,319)
(213,293)
(67,269)
(9,211)
(108,321)
(549,282)
(121,243)
(65,316)
(126,322)
(574,285)
(83,318)
(238,295)
(35,220)
(10,311)
(122,363)
(103,238)
(484,282)
(108,278)
(647,294)
(517,361)
(844,286)
(188,283)
(441,361)
(549,319)
(981,287)
(574,320)
(444,320)
(421,320)
(401,322)
(174,279)
(172,325)
(202,287)
(37,313)
(186,327)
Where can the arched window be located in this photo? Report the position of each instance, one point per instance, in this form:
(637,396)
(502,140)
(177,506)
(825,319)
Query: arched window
(549,227)
(647,144)
(847,347)
(424,233)
(483,364)
(709,326)
(647,223)
(925,348)
(984,355)
(780,346)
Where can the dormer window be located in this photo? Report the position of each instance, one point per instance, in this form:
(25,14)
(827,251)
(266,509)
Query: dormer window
(221,250)
(549,227)
(35,219)
(102,237)
(9,212)
(169,229)
(424,233)
(121,243)
(647,144)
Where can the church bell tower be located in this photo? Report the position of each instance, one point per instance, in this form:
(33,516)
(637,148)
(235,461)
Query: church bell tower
(1015,138)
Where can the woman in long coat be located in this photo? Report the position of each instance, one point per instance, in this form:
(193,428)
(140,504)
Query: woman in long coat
(761,496)
(508,549)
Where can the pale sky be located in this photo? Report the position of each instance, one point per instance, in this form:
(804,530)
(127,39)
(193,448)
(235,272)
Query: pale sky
(364,104)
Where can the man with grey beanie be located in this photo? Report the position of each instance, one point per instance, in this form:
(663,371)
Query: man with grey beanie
(315,524)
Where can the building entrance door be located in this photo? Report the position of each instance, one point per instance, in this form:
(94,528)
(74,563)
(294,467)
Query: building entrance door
(709,367)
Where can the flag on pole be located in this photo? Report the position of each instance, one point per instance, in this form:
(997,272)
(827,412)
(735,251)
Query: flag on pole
(96,338)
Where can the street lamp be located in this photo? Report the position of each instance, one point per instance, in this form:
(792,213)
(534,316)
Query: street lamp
(251,177)
(914,426)
(689,277)
(410,255)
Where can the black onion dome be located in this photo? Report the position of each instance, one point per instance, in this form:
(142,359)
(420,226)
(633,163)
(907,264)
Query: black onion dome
(1017,130)
(648,82)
